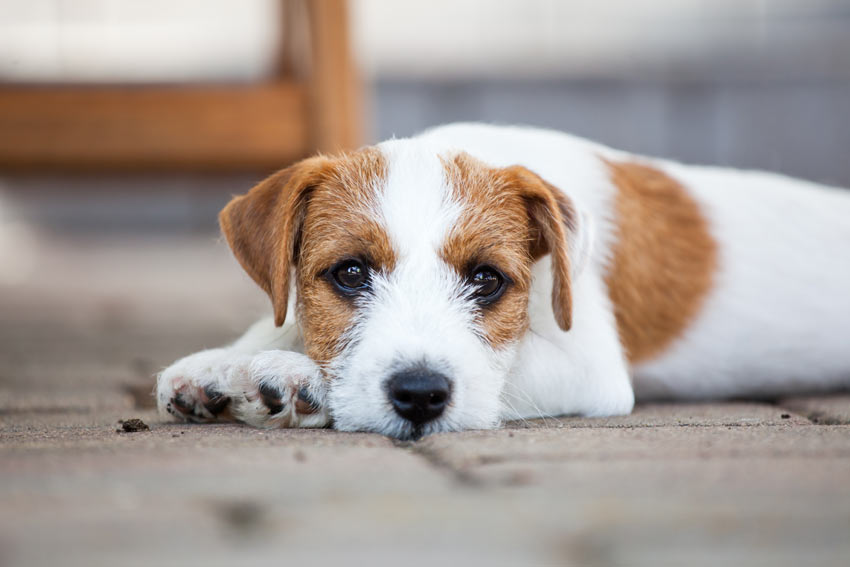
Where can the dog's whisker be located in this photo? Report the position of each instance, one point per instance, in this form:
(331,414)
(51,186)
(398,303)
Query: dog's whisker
(513,409)
(527,398)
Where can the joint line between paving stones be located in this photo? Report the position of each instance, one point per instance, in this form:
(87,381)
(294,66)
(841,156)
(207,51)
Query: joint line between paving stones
(437,462)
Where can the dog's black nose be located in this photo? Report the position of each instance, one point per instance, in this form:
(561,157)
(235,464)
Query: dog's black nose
(419,395)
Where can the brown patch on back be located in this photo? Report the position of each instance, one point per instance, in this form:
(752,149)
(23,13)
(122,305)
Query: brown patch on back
(510,218)
(663,261)
(310,216)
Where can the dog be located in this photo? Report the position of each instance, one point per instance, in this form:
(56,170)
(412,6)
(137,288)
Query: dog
(475,274)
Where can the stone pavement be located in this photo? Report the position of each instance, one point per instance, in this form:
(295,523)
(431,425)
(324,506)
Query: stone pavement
(87,321)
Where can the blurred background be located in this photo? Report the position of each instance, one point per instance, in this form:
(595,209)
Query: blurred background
(209,95)
(125,126)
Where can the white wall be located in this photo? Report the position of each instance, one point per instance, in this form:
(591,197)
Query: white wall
(235,40)
(587,38)
(137,40)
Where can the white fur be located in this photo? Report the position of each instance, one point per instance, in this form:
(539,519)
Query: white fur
(417,314)
(774,322)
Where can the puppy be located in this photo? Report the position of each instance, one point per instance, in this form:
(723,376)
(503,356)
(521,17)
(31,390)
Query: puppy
(475,274)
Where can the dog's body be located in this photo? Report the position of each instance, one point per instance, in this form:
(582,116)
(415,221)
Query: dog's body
(614,276)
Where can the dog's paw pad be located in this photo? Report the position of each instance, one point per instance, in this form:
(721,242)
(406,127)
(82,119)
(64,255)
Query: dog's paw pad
(182,404)
(184,407)
(280,401)
(192,403)
(272,398)
(215,402)
(196,388)
(305,403)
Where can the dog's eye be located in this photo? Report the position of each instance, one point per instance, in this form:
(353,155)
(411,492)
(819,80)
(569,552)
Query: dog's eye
(488,284)
(350,275)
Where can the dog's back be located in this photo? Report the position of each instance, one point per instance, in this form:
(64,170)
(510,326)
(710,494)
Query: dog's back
(778,314)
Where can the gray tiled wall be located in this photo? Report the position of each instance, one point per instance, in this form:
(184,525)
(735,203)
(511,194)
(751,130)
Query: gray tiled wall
(801,128)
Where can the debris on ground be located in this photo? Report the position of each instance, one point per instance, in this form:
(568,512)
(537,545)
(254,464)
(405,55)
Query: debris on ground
(133,425)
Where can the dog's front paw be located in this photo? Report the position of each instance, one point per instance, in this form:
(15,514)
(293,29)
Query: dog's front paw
(281,389)
(198,387)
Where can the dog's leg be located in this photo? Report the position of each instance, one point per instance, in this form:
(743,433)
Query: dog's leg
(250,380)
(580,372)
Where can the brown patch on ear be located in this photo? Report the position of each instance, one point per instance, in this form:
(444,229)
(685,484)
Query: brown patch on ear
(339,223)
(309,217)
(492,229)
(552,215)
(663,261)
(510,218)
(262,227)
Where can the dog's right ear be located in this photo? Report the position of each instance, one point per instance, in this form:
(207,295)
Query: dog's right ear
(558,230)
(263,227)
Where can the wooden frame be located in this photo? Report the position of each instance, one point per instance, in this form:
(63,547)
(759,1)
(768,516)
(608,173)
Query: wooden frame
(262,126)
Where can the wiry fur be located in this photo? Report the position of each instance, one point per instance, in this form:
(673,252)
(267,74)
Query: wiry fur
(754,299)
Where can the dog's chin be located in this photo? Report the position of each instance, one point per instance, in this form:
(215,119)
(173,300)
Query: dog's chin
(403,430)
(396,427)
(416,432)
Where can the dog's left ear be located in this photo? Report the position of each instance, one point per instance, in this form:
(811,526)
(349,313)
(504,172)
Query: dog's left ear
(557,229)
(263,227)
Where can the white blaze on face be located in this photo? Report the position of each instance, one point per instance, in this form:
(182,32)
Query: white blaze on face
(416,315)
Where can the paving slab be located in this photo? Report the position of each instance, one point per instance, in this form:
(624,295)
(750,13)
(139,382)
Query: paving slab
(472,448)
(93,312)
(80,338)
(20,401)
(229,493)
(232,494)
(681,414)
(672,495)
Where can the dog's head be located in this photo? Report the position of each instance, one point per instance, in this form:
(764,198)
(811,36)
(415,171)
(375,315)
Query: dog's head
(412,273)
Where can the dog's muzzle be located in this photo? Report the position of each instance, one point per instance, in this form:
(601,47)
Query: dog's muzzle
(419,395)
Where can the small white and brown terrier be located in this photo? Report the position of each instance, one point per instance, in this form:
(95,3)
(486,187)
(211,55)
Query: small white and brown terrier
(475,274)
